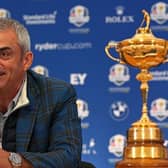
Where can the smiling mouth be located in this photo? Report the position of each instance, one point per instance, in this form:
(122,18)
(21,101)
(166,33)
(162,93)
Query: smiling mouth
(2,72)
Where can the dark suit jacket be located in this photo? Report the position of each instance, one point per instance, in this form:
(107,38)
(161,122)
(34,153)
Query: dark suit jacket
(48,131)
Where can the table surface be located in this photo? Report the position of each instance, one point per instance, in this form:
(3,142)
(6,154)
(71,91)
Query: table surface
(142,163)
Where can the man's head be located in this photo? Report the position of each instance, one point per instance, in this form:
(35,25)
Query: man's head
(15,54)
(21,32)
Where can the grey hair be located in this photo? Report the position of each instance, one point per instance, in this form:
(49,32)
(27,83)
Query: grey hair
(20,30)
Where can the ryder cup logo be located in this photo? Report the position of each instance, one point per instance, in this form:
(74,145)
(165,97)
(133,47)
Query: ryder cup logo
(79,15)
(41,70)
(119,74)
(159,12)
(82,107)
(116,145)
(4,13)
(159,109)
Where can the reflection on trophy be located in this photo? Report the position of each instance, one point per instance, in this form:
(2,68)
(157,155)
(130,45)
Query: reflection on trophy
(144,147)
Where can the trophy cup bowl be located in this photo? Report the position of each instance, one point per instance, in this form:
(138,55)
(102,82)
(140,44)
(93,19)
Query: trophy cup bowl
(144,147)
(143,51)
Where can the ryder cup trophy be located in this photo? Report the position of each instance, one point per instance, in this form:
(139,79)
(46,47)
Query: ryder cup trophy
(144,147)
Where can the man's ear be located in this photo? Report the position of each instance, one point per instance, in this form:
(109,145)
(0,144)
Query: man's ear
(27,60)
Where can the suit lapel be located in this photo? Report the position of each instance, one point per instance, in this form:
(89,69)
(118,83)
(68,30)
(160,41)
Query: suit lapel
(27,117)
(24,128)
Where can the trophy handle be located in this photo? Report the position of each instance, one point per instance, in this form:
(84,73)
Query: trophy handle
(166,60)
(108,47)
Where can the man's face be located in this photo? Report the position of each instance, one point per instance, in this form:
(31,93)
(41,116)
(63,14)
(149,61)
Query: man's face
(13,64)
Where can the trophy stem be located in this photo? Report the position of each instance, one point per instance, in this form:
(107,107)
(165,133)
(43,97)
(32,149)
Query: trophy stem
(144,76)
(144,147)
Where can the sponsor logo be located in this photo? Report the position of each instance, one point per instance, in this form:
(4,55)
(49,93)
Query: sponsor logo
(41,70)
(78,78)
(119,17)
(159,75)
(39,19)
(4,13)
(159,109)
(62,46)
(116,145)
(119,110)
(89,148)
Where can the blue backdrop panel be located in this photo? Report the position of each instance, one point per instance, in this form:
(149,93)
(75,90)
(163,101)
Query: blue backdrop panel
(68,41)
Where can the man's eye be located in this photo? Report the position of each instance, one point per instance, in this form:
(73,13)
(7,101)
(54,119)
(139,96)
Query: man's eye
(4,55)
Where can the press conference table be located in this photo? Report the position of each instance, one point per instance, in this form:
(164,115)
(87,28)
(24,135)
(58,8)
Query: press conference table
(143,163)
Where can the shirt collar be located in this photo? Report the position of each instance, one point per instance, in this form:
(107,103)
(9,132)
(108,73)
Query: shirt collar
(20,99)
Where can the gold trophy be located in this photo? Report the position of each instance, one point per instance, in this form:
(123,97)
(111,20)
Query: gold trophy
(144,147)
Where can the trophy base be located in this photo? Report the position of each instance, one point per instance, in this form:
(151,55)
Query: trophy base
(142,163)
(144,147)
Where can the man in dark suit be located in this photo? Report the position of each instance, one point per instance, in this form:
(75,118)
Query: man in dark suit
(39,124)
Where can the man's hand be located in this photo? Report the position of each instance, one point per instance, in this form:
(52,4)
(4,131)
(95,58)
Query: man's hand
(4,162)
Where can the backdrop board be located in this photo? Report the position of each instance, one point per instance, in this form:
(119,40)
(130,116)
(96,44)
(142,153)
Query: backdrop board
(68,41)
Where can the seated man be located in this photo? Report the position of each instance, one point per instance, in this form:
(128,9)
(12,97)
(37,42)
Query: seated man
(39,124)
